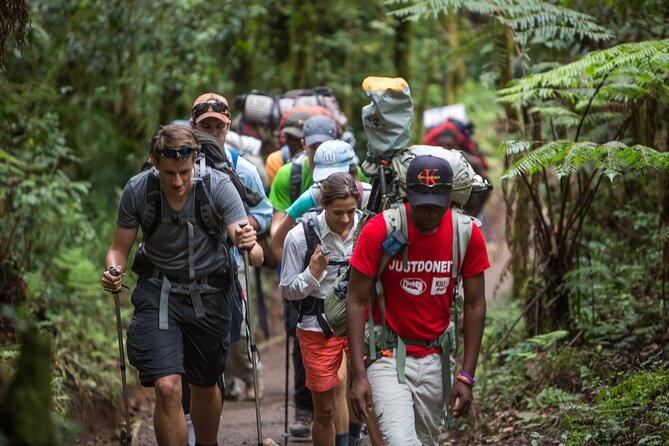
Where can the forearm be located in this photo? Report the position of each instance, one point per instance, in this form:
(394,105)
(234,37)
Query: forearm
(120,247)
(262,214)
(256,256)
(279,237)
(356,303)
(296,286)
(355,327)
(473,322)
(253,222)
(276,220)
(114,258)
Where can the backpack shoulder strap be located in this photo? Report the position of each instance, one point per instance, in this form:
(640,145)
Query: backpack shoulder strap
(205,212)
(285,154)
(396,219)
(296,174)
(311,238)
(153,205)
(462,233)
(235,156)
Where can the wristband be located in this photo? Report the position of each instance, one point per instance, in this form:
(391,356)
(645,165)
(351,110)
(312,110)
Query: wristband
(464,377)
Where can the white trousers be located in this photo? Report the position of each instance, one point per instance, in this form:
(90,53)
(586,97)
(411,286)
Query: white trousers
(409,413)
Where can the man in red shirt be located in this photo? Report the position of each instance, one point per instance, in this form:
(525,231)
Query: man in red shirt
(410,403)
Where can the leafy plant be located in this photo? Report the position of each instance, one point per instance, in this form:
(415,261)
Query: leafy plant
(635,411)
(562,178)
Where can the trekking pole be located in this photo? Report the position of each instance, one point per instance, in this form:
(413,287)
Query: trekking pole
(252,338)
(262,309)
(285,407)
(121,353)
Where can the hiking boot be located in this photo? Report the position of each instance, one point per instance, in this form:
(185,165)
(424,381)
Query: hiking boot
(250,394)
(233,391)
(301,427)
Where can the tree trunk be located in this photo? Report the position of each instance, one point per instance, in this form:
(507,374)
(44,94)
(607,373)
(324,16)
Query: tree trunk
(402,54)
(456,73)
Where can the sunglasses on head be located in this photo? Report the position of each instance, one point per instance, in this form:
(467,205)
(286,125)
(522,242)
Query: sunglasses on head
(439,188)
(213,106)
(178,154)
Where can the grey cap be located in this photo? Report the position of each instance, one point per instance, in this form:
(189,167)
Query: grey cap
(294,125)
(319,129)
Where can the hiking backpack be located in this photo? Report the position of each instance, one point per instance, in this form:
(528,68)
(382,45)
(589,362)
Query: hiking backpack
(460,135)
(387,122)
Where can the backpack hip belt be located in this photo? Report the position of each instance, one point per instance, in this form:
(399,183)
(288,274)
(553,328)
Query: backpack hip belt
(390,340)
(313,306)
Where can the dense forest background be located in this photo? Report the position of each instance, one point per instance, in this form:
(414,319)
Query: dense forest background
(570,102)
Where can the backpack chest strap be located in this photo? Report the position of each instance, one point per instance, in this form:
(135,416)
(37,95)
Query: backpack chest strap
(193,290)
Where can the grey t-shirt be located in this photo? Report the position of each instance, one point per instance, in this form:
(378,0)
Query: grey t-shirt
(167,248)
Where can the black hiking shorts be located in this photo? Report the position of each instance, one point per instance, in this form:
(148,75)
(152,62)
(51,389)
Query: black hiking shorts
(198,347)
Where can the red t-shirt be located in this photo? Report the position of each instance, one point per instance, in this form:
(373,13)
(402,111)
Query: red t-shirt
(418,301)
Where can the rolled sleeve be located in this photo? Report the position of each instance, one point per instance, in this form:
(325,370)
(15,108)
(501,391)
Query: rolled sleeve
(297,283)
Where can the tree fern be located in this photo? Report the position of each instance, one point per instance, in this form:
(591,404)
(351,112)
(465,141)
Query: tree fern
(527,19)
(611,159)
(632,68)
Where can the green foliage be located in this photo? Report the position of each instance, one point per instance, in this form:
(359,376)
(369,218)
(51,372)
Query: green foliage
(626,72)
(45,230)
(38,192)
(599,95)
(530,348)
(550,398)
(635,411)
(529,20)
(534,23)
(612,159)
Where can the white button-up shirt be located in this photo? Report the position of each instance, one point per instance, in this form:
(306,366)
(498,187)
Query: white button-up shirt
(297,283)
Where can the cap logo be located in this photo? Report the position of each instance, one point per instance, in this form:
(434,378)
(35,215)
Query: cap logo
(329,158)
(429,176)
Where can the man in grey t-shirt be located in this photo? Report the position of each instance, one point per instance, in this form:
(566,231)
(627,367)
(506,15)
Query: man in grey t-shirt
(181,320)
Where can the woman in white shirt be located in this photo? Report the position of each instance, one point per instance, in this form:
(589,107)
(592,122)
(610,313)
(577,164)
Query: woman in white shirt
(306,277)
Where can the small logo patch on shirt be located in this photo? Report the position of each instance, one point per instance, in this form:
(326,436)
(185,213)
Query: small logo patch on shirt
(415,287)
(439,285)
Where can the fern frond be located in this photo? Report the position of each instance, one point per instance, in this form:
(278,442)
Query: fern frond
(646,58)
(526,18)
(432,8)
(538,159)
(611,159)
(513,148)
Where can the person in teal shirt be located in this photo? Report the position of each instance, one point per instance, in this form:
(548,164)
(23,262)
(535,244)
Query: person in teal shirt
(331,157)
(284,191)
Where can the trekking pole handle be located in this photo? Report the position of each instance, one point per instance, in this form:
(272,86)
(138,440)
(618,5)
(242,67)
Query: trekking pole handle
(113,272)
(243,225)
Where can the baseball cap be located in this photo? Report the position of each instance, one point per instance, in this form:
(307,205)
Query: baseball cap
(210,105)
(429,181)
(294,124)
(319,129)
(331,157)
